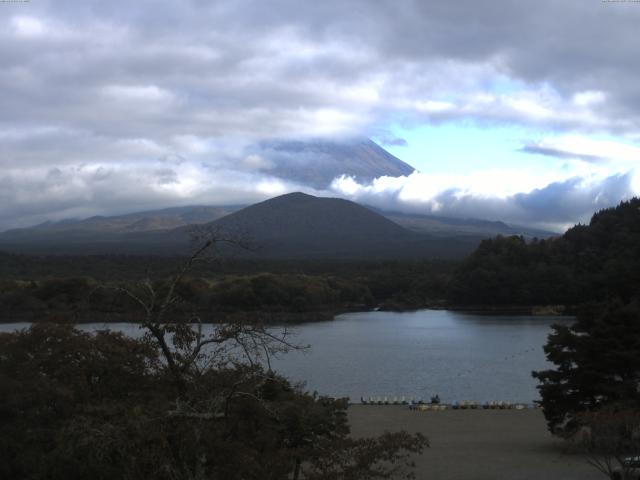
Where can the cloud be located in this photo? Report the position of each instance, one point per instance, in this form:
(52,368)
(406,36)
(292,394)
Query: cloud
(585,148)
(114,106)
(30,196)
(281,70)
(27,26)
(553,152)
(505,196)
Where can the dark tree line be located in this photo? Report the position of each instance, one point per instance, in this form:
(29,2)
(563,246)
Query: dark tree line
(592,262)
(312,289)
(103,406)
(85,299)
(176,403)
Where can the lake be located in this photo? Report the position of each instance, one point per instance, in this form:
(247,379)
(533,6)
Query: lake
(458,356)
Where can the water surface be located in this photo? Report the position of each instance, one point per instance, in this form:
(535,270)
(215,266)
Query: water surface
(414,354)
(418,354)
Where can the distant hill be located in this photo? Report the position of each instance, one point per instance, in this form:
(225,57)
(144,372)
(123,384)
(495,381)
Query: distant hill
(295,225)
(171,218)
(317,162)
(591,262)
(117,225)
(447,226)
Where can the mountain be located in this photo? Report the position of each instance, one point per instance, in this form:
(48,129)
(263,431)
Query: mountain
(447,227)
(297,224)
(317,162)
(291,226)
(170,218)
(117,225)
(294,225)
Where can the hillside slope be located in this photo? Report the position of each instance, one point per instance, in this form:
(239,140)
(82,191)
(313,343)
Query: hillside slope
(297,224)
(112,229)
(451,227)
(588,263)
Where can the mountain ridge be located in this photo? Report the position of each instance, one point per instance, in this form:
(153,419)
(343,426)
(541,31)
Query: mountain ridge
(199,214)
(294,225)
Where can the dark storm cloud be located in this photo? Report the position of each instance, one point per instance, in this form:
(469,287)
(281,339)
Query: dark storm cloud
(553,152)
(393,142)
(569,201)
(259,68)
(108,91)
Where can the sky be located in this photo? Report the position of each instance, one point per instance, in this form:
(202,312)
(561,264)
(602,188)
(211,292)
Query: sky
(526,112)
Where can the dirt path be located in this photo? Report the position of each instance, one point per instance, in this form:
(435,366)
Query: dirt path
(478,444)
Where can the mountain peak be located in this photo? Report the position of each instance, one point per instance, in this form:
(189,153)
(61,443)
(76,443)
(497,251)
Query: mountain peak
(317,162)
(295,196)
(301,225)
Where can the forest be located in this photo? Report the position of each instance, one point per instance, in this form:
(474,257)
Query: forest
(591,262)
(84,291)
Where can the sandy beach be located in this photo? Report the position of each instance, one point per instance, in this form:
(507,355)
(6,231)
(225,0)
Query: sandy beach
(478,444)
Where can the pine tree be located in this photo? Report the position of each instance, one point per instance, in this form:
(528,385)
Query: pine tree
(597,363)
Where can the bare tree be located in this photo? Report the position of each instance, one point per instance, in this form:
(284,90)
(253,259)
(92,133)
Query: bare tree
(178,333)
(224,396)
(611,440)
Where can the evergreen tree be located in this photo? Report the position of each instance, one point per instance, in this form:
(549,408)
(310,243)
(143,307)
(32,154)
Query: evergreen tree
(597,363)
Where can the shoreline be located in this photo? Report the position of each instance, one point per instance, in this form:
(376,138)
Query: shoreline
(525,310)
(293,318)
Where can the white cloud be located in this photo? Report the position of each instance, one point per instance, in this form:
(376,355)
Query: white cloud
(535,107)
(554,202)
(589,98)
(433,106)
(423,188)
(28,26)
(614,152)
(137,93)
(330,121)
